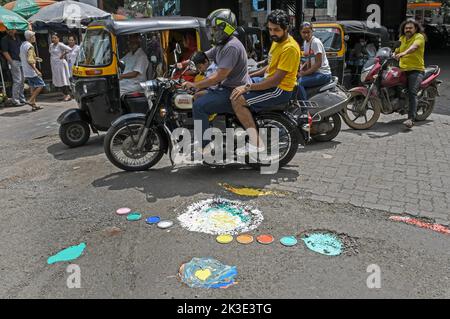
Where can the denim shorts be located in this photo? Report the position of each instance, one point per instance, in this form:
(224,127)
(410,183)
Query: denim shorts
(36,82)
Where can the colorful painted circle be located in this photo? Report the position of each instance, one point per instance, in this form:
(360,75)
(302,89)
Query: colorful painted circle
(289,241)
(224,239)
(325,244)
(220,216)
(245,239)
(165,224)
(134,217)
(265,239)
(123,211)
(153,220)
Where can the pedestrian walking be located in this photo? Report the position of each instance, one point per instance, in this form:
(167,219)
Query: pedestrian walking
(30,71)
(10,46)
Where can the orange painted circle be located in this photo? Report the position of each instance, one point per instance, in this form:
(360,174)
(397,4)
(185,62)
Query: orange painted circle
(265,239)
(245,239)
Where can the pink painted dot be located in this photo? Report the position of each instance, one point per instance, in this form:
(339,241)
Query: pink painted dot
(123,211)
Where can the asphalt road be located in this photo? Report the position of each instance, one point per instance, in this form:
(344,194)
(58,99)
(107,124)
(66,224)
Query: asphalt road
(54,197)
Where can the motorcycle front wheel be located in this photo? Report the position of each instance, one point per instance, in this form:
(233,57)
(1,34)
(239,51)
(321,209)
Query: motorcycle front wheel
(361,119)
(121,147)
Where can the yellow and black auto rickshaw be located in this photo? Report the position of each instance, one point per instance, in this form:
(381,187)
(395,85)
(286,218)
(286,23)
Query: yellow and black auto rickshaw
(341,37)
(96,73)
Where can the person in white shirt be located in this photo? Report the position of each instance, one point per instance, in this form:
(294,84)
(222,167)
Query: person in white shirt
(71,57)
(316,70)
(136,65)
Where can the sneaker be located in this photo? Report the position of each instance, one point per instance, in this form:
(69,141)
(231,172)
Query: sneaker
(409,123)
(251,150)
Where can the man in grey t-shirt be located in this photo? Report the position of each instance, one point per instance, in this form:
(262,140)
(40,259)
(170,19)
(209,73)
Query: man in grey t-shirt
(230,56)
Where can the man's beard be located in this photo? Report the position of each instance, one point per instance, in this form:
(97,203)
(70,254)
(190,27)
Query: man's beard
(277,39)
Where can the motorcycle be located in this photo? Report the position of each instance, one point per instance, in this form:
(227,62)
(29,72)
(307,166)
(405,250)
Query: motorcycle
(137,142)
(385,91)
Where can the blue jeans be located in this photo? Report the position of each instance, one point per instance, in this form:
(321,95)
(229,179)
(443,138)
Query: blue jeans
(312,80)
(415,79)
(215,101)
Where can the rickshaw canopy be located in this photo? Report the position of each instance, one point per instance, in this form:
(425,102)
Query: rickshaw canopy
(361,27)
(151,24)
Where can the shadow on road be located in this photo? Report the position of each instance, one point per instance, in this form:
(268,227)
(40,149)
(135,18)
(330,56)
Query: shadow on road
(167,183)
(63,153)
(387,129)
(15,114)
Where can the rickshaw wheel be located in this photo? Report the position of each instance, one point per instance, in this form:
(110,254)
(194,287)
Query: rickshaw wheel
(74,134)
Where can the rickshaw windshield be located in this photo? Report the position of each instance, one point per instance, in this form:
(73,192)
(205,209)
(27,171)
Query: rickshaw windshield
(330,37)
(95,51)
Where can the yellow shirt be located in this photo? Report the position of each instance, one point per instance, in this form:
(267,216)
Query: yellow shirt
(414,61)
(285,56)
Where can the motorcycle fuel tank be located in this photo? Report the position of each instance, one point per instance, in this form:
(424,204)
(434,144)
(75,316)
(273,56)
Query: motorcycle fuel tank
(183,101)
(393,77)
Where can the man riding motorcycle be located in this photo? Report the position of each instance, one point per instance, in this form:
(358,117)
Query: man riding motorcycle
(230,56)
(278,85)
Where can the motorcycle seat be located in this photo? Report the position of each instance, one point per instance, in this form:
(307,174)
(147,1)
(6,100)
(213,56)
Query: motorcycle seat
(429,71)
(311,91)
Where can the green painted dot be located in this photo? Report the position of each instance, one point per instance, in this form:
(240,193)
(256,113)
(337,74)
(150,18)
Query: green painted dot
(134,217)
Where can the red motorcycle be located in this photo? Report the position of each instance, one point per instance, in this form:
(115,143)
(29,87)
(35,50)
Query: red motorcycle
(385,90)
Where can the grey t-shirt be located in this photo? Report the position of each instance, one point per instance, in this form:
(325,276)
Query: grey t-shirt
(232,56)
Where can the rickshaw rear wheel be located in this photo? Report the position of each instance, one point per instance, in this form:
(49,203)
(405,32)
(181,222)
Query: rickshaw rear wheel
(74,134)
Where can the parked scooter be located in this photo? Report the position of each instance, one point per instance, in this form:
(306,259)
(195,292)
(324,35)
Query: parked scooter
(325,104)
(385,91)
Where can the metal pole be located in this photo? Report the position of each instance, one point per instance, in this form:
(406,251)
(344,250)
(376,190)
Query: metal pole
(269,6)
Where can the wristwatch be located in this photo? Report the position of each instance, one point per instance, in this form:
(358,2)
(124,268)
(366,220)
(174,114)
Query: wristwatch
(248,87)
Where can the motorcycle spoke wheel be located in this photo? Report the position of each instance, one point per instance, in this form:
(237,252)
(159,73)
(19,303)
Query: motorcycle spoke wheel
(284,142)
(124,146)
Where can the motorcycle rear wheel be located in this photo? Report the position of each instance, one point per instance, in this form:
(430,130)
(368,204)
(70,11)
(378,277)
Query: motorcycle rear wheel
(289,138)
(426,103)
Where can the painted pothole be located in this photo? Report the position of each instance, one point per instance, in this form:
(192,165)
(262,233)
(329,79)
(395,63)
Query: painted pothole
(220,216)
(207,273)
(329,243)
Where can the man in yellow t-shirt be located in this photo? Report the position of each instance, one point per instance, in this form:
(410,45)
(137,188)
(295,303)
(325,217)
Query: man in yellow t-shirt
(280,79)
(411,56)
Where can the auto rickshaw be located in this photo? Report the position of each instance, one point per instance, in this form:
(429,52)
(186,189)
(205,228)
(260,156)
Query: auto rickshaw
(339,39)
(96,73)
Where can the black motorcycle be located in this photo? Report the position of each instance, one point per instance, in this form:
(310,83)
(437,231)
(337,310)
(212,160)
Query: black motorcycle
(137,142)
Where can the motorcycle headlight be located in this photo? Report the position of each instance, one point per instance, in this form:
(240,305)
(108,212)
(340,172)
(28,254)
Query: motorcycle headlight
(150,88)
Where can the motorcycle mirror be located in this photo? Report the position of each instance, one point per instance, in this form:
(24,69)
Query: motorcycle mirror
(121,65)
(178,48)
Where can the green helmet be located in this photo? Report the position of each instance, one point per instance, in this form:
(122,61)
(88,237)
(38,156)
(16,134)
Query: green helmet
(223,24)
